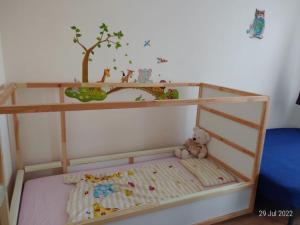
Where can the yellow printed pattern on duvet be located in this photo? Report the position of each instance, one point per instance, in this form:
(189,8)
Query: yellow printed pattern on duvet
(94,197)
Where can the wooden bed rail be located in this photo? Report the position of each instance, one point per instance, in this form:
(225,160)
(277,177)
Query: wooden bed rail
(135,211)
(124,105)
(100,84)
(129,155)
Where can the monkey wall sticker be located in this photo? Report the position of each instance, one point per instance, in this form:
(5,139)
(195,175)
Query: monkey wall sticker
(256,29)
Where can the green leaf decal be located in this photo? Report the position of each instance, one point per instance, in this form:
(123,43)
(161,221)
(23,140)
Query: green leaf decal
(73,27)
(104,27)
(78,35)
(117,45)
(119,34)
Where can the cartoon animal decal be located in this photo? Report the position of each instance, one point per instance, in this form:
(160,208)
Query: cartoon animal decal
(106,73)
(125,77)
(163,82)
(144,76)
(161,60)
(257,28)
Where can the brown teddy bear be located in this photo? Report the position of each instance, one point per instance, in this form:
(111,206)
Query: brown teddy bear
(195,146)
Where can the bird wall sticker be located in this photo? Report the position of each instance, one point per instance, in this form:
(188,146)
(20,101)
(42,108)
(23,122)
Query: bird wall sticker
(147,43)
(161,60)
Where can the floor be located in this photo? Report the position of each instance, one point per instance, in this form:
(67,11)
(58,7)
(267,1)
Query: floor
(254,219)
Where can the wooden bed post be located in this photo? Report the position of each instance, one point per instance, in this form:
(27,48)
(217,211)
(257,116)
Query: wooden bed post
(64,156)
(200,93)
(1,167)
(259,149)
(19,156)
(4,208)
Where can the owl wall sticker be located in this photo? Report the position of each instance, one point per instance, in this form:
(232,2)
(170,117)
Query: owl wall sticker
(257,28)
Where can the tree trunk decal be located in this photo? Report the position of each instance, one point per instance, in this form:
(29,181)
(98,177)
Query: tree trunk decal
(104,38)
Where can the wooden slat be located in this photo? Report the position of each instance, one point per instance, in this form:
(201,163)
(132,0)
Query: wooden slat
(231,117)
(230,143)
(259,149)
(43,166)
(72,84)
(140,210)
(229,90)
(64,154)
(19,155)
(228,168)
(125,104)
(16,198)
(200,93)
(74,162)
(6,93)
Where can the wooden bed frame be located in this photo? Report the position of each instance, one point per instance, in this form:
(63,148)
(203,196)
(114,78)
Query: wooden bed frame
(214,103)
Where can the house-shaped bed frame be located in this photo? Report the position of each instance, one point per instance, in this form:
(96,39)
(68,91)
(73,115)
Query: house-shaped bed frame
(236,121)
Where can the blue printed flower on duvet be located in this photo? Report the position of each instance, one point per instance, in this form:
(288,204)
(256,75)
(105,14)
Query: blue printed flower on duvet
(103,190)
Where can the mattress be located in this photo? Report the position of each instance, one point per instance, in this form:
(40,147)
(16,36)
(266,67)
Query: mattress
(44,200)
(279,180)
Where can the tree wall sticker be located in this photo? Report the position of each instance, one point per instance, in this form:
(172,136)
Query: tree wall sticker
(108,39)
(104,38)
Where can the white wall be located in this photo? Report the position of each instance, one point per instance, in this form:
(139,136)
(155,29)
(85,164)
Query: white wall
(4,137)
(204,40)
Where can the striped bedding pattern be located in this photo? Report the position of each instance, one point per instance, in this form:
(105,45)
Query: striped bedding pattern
(208,173)
(148,184)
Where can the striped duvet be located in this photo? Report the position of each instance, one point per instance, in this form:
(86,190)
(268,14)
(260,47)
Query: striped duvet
(98,195)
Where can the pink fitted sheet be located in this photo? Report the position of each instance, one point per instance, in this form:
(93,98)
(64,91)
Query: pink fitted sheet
(44,199)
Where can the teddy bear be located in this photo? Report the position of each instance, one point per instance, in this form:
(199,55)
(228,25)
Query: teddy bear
(194,147)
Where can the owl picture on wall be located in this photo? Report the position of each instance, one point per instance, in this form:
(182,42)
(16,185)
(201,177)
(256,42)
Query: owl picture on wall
(257,28)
